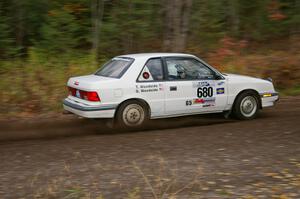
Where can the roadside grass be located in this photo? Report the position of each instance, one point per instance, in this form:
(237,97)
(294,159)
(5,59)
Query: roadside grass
(293,91)
(163,185)
(156,178)
(38,86)
(161,182)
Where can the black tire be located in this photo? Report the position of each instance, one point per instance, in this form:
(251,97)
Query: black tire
(132,114)
(246,106)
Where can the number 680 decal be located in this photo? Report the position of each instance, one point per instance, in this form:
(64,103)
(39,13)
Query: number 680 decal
(205,92)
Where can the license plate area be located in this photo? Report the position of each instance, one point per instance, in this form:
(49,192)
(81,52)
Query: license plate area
(77,93)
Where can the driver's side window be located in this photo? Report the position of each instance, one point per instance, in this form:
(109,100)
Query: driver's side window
(187,69)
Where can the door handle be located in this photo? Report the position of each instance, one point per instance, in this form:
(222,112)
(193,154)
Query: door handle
(173,88)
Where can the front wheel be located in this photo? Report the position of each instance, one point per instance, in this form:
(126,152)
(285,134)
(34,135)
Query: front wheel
(132,114)
(246,106)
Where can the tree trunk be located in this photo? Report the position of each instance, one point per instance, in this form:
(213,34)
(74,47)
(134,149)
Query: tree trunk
(20,27)
(294,31)
(234,20)
(168,9)
(97,9)
(177,16)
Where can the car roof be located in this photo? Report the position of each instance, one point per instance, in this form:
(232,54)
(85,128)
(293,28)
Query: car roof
(152,55)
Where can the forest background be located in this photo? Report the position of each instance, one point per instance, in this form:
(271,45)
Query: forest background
(44,42)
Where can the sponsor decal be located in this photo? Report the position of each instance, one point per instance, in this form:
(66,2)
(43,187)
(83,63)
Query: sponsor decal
(220,91)
(76,83)
(198,101)
(220,83)
(207,105)
(211,99)
(202,84)
(205,102)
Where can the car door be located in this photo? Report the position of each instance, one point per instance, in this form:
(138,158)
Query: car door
(192,87)
(150,86)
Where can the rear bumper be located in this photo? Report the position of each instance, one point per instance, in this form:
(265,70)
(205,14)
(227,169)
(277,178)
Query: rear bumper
(269,99)
(104,111)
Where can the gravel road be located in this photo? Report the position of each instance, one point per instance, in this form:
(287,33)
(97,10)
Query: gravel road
(186,157)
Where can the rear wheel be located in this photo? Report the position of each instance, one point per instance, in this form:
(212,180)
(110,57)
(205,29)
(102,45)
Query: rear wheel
(246,106)
(132,114)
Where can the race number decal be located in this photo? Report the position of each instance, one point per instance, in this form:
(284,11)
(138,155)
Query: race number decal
(204,95)
(205,92)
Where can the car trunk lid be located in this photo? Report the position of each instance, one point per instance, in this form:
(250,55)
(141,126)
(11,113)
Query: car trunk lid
(88,82)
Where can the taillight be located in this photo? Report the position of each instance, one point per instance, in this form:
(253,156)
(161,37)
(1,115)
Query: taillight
(86,95)
(92,96)
(72,91)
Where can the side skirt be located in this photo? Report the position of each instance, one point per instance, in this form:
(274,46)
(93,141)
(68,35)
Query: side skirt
(183,114)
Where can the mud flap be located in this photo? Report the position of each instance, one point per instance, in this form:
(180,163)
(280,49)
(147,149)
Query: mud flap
(227,114)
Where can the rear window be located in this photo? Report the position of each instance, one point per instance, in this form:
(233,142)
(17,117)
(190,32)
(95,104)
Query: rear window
(115,68)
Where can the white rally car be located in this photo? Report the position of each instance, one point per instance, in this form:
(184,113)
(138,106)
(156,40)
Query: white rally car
(137,87)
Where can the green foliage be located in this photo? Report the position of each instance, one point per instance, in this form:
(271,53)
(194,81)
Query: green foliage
(208,26)
(62,27)
(60,33)
(43,43)
(294,91)
(6,42)
(129,26)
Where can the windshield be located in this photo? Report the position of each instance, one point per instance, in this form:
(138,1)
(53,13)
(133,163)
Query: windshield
(115,68)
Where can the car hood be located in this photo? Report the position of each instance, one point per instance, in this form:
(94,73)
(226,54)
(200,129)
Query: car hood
(89,82)
(243,78)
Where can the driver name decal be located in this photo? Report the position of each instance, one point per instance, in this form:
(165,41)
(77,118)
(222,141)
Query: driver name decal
(146,88)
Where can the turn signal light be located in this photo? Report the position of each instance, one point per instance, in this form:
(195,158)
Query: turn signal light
(267,95)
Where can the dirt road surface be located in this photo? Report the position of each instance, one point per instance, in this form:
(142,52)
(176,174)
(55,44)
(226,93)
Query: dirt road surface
(187,157)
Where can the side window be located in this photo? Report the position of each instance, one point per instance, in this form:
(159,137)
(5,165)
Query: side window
(187,69)
(152,71)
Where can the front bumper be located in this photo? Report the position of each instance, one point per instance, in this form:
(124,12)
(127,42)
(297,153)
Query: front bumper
(269,99)
(83,110)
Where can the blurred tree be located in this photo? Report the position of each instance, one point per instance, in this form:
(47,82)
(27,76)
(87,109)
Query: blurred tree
(110,27)
(79,34)
(97,9)
(177,17)
(130,26)
(26,18)
(208,22)
(58,32)
(233,15)
(64,30)
(6,40)
(291,8)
